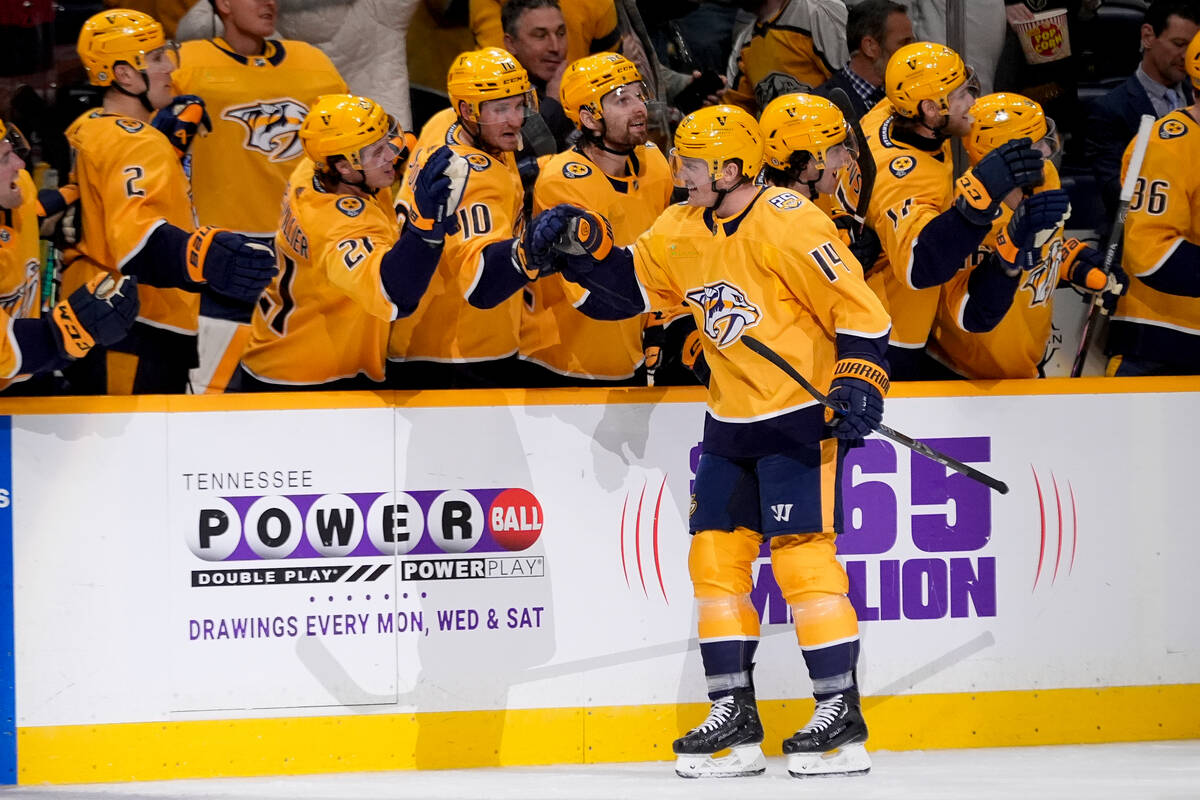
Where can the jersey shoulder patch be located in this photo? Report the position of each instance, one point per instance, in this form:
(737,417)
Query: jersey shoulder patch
(129,125)
(350,206)
(1171,129)
(478,161)
(902,165)
(786,201)
(574,169)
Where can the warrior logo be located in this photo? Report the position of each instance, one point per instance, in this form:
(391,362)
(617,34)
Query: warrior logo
(727,312)
(272,126)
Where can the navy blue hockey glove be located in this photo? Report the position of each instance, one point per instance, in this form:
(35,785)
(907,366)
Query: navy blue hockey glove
(858,389)
(98,313)
(1012,165)
(538,252)
(862,241)
(231,264)
(1083,266)
(437,193)
(1032,225)
(182,120)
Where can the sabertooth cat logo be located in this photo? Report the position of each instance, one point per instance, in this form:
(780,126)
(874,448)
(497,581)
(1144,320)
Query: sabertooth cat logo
(272,126)
(727,312)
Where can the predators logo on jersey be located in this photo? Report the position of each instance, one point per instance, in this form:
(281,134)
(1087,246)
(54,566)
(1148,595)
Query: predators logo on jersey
(350,206)
(1171,128)
(726,311)
(573,169)
(272,126)
(902,165)
(1043,278)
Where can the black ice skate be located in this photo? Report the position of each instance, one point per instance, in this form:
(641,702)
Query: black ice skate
(832,741)
(733,725)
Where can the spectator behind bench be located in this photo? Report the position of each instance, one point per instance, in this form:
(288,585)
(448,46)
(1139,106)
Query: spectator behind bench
(1157,88)
(874,30)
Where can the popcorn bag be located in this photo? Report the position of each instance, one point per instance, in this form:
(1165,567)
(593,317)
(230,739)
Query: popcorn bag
(1044,38)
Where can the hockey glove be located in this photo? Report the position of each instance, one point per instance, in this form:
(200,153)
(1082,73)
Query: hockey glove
(182,121)
(858,389)
(980,190)
(99,313)
(59,211)
(231,264)
(539,252)
(862,241)
(436,194)
(1032,225)
(1083,266)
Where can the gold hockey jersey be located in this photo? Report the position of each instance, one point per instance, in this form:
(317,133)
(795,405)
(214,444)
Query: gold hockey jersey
(1163,214)
(912,186)
(445,327)
(256,104)
(130,182)
(553,332)
(805,39)
(325,315)
(20,254)
(778,271)
(1017,345)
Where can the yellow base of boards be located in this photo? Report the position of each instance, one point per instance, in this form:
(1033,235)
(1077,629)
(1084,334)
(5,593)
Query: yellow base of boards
(371,742)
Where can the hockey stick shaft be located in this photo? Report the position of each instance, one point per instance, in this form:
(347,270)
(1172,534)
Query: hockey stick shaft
(883,430)
(1114,237)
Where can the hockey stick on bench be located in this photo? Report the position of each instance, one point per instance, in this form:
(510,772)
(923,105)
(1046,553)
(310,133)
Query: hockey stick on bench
(883,430)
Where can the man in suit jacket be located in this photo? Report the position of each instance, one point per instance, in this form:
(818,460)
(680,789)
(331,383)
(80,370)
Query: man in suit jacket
(1157,88)
(874,30)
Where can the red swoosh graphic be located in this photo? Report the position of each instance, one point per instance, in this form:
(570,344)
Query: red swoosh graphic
(637,540)
(1074,528)
(624,571)
(1058,554)
(657,565)
(1042,511)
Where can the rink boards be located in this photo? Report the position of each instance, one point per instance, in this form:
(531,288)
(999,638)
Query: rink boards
(273,585)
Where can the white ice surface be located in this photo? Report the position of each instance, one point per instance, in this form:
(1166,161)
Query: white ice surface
(1149,771)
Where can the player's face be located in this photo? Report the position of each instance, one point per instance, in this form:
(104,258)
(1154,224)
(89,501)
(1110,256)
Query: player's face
(251,17)
(692,174)
(837,158)
(379,162)
(500,123)
(625,116)
(160,64)
(958,120)
(540,43)
(10,165)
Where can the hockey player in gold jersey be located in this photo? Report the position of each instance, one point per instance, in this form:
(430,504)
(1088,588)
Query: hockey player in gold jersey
(805,39)
(928,223)
(994,317)
(614,171)
(456,338)
(257,91)
(1156,328)
(346,270)
(92,316)
(137,217)
(768,263)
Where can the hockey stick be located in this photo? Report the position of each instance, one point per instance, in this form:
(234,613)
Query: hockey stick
(883,430)
(1114,237)
(865,161)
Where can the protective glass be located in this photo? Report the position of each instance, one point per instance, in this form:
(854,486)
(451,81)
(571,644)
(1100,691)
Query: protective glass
(1049,145)
(385,152)
(625,98)
(972,84)
(164,58)
(686,171)
(504,110)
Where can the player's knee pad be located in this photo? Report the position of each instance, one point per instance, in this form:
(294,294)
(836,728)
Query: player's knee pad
(805,563)
(824,619)
(720,566)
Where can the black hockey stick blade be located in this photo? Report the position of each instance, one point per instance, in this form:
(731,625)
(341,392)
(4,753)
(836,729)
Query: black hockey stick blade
(883,430)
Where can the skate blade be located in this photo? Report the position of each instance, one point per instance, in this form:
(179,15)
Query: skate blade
(850,759)
(746,759)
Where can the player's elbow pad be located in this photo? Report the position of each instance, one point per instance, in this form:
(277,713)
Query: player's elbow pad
(990,293)
(1179,273)
(942,248)
(162,261)
(613,289)
(406,269)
